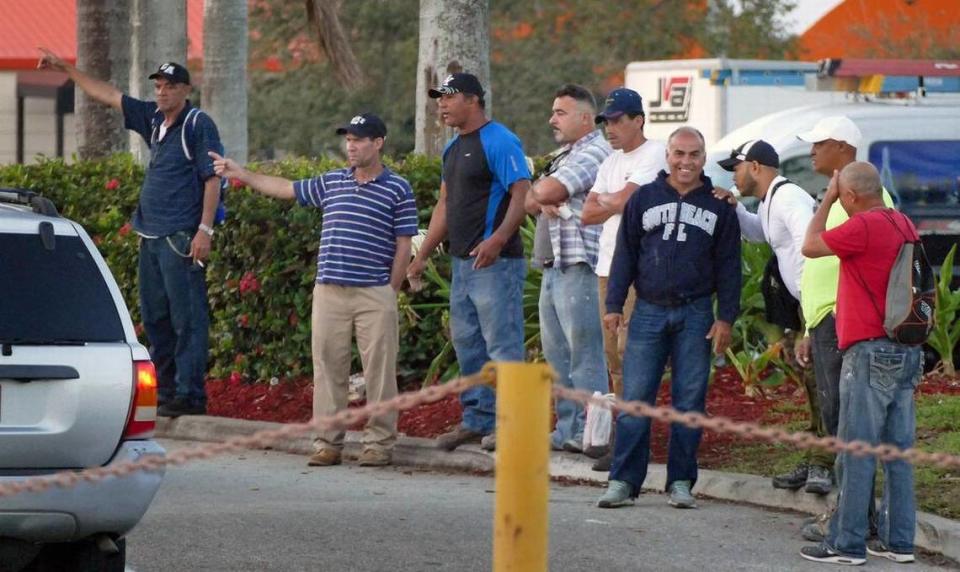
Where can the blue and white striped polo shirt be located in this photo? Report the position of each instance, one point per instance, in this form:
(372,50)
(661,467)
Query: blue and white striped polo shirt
(361,224)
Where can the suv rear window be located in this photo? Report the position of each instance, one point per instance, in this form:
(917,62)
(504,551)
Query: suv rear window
(49,296)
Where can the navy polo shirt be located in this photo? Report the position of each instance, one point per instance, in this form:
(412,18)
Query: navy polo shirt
(171,198)
(361,224)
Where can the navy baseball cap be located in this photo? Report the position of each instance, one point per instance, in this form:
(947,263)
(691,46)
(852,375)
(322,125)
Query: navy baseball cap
(172,72)
(364,125)
(620,101)
(754,150)
(458,83)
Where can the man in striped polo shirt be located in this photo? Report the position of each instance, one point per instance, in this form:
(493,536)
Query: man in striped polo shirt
(570,328)
(369,215)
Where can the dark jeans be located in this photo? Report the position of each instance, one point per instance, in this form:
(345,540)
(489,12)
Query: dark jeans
(176,317)
(656,333)
(827,361)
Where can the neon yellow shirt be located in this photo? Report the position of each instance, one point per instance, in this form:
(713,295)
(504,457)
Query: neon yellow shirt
(818,283)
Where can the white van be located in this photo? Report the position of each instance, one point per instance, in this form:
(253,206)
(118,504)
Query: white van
(914,143)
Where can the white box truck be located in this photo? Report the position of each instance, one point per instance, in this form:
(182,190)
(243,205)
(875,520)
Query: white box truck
(719,95)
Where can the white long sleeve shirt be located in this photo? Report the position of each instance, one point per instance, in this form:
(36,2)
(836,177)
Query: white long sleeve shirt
(781,220)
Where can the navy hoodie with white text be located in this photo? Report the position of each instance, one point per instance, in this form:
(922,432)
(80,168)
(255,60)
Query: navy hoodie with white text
(676,248)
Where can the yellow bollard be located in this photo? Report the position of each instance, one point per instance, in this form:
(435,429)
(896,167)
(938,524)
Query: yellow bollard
(522,467)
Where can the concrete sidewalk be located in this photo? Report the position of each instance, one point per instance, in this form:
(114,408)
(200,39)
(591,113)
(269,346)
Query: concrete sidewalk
(934,533)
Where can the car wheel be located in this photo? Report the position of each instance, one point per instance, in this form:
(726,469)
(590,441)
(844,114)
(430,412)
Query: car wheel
(82,556)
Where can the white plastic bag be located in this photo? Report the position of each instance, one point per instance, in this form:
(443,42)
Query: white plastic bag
(599,425)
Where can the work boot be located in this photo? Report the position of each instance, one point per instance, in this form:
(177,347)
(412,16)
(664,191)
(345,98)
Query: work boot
(792,480)
(459,436)
(814,528)
(818,480)
(181,406)
(371,457)
(325,458)
(603,463)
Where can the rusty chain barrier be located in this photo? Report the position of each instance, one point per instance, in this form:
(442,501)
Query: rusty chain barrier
(349,417)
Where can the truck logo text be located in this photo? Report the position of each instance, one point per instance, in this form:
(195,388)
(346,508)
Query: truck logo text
(673,100)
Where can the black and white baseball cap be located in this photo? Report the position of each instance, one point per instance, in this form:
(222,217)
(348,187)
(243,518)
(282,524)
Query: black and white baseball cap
(172,72)
(458,83)
(754,150)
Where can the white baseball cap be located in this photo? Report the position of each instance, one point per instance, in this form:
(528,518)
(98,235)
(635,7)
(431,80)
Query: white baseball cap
(838,128)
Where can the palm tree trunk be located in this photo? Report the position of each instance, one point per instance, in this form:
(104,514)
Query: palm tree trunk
(225,72)
(159,32)
(103,51)
(454,37)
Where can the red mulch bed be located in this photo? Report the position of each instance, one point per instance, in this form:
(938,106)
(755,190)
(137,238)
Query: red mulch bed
(292,402)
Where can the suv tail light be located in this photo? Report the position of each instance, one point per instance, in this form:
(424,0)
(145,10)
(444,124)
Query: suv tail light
(143,411)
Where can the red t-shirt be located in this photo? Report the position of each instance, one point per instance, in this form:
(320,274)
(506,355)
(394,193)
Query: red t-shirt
(867,245)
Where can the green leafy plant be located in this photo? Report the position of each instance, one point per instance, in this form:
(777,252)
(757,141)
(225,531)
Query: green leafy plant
(946,331)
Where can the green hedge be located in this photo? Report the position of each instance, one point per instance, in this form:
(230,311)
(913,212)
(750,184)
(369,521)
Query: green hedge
(263,264)
(262,268)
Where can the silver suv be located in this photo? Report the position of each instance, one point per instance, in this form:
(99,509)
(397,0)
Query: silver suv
(76,390)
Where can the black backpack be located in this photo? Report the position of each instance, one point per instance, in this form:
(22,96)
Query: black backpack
(779,306)
(911,293)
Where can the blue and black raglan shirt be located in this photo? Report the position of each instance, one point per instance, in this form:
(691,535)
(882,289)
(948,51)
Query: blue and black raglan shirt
(478,169)
(676,248)
(361,223)
(171,198)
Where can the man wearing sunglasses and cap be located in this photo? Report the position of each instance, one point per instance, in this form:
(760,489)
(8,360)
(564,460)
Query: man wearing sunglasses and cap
(781,220)
(484,182)
(369,217)
(174,218)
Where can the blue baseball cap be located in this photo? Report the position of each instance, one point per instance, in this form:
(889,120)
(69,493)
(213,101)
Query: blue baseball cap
(620,101)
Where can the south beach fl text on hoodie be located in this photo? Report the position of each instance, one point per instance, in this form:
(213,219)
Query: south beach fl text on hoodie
(676,248)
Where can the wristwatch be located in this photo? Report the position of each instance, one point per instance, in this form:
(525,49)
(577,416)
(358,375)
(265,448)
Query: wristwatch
(206,229)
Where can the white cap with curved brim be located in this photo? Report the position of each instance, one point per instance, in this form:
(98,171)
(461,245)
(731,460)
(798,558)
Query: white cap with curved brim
(837,127)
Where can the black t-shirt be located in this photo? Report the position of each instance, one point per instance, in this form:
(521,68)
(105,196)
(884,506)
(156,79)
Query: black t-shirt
(478,169)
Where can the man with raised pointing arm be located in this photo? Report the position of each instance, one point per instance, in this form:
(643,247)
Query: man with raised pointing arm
(174,218)
(369,215)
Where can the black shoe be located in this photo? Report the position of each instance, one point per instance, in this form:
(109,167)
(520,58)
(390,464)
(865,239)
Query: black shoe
(603,463)
(179,407)
(596,451)
(822,553)
(818,480)
(792,480)
(877,548)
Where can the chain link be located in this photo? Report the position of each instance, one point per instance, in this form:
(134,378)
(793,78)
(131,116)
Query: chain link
(349,417)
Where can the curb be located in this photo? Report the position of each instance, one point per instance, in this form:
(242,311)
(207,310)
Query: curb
(934,533)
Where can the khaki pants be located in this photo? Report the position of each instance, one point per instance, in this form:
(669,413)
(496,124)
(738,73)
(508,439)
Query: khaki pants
(614,343)
(337,311)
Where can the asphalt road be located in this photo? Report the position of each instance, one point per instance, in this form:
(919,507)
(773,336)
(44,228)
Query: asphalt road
(263,510)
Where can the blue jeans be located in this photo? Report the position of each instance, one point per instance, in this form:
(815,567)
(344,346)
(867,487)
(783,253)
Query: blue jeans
(486,323)
(876,406)
(654,334)
(572,339)
(176,317)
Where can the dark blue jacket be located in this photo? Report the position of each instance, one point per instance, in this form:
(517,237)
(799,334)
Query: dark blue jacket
(674,249)
(171,198)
